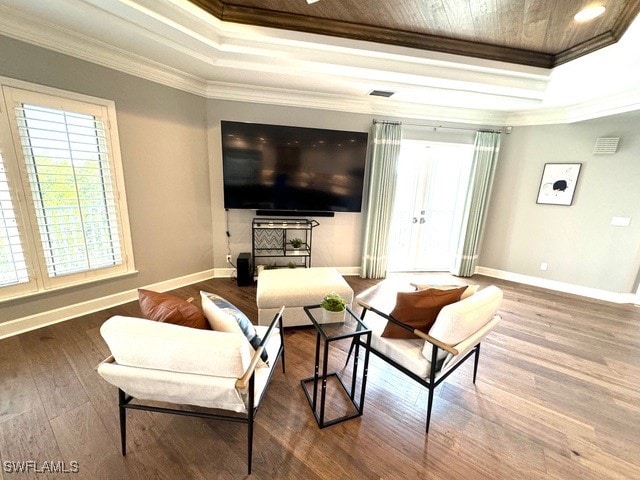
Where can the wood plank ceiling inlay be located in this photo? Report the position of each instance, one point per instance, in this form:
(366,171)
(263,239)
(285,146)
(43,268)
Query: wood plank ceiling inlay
(539,33)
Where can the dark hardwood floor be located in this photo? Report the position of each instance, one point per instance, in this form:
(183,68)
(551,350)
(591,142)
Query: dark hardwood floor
(557,396)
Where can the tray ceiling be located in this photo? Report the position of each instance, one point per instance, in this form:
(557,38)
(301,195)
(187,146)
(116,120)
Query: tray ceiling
(540,33)
(177,43)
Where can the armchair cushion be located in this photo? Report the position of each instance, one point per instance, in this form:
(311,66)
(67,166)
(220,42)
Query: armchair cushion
(165,307)
(170,363)
(137,342)
(406,352)
(419,310)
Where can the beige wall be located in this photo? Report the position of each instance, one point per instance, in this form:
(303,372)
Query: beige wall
(163,139)
(336,242)
(578,242)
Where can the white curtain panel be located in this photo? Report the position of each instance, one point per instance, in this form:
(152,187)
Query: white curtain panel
(380,188)
(487,146)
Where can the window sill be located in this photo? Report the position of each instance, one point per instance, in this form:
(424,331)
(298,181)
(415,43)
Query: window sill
(83,283)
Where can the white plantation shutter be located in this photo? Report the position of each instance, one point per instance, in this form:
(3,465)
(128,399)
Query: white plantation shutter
(61,163)
(13,267)
(72,192)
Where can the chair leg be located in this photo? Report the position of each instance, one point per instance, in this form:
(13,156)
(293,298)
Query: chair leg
(282,358)
(475,362)
(353,340)
(123,422)
(282,343)
(432,382)
(353,344)
(249,443)
(251,411)
(429,405)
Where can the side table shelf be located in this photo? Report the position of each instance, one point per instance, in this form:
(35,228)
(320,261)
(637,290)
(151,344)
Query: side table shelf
(271,242)
(327,392)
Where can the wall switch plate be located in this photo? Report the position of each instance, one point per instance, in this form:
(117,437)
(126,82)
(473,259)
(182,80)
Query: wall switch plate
(620,221)
(544,266)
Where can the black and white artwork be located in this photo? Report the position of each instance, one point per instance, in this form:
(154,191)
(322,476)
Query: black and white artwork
(558,183)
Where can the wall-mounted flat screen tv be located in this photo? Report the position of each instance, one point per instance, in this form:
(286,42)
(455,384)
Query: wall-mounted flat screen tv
(292,169)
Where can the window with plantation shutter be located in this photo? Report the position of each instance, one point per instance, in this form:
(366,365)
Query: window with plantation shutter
(66,161)
(13,267)
(69,176)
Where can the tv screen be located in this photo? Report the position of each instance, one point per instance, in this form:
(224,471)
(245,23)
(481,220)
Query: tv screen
(272,167)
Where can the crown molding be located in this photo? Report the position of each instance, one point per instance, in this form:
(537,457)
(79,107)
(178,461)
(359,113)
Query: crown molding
(604,107)
(370,33)
(53,37)
(344,103)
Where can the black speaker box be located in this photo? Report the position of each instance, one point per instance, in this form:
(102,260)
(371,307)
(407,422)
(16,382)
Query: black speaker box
(243,266)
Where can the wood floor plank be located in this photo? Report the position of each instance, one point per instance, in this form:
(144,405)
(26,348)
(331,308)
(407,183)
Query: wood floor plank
(17,386)
(82,438)
(57,383)
(28,437)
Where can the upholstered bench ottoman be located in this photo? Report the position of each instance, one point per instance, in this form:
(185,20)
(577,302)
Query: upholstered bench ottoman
(295,288)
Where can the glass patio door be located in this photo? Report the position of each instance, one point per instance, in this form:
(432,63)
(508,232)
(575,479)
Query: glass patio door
(432,186)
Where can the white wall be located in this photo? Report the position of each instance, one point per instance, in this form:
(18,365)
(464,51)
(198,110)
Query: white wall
(337,241)
(578,242)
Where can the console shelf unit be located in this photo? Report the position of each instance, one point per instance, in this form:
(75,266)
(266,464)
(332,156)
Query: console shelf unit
(271,241)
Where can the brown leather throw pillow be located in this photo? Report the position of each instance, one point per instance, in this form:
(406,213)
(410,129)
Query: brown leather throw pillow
(419,310)
(168,308)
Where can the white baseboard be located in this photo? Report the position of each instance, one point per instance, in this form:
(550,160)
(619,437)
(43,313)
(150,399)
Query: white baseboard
(230,272)
(223,272)
(596,293)
(25,324)
(349,271)
(39,320)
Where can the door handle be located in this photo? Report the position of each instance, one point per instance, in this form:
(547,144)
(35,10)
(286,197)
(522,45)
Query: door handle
(422,220)
(415,220)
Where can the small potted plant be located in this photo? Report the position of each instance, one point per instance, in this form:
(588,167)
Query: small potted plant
(291,265)
(296,243)
(333,308)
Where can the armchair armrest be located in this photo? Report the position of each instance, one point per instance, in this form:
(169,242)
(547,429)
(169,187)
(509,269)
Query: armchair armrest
(418,333)
(243,381)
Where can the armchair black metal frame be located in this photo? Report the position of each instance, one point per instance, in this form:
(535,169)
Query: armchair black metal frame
(430,383)
(247,381)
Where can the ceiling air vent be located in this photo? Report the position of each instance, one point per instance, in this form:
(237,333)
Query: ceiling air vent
(606,145)
(381,93)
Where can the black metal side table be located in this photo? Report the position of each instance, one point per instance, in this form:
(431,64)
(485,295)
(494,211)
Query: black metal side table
(352,328)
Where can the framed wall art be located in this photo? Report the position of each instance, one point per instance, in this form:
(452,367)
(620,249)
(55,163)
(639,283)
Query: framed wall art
(558,183)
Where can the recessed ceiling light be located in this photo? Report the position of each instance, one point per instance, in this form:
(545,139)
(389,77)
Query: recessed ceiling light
(589,13)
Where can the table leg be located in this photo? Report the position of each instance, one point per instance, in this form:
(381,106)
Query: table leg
(315,372)
(354,372)
(323,392)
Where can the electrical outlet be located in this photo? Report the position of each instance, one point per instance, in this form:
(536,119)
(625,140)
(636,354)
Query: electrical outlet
(544,266)
(228,258)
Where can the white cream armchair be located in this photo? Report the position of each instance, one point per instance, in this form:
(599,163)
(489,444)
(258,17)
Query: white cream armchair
(432,356)
(169,363)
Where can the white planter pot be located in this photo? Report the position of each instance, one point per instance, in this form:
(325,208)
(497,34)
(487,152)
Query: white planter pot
(332,317)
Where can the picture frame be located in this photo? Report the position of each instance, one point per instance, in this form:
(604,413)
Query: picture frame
(558,183)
